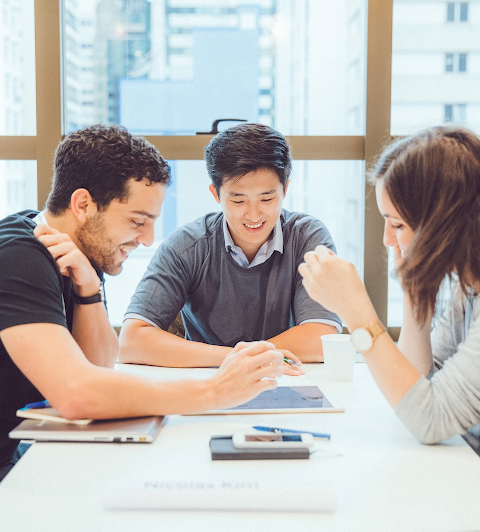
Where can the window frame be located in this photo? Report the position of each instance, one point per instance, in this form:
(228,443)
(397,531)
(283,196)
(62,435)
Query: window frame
(50,127)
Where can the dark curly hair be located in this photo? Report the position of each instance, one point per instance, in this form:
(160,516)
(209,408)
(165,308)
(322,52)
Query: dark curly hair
(102,159)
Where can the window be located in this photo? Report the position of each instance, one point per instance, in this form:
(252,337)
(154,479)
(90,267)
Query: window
(340,207)
(455,112)
(165,82)
(298,67)
(457,11)
(18,187)
(418,64)
(17,68)
(455,62)
(313,97)
(423,78)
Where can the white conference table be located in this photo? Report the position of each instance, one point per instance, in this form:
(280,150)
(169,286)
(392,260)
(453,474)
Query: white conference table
(383,479)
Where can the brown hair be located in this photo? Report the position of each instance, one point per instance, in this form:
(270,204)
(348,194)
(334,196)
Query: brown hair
(433,180)
(102,159)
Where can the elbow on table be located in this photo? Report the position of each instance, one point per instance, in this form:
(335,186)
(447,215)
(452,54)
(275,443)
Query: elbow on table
(432,433)
(130,341)
(78,400)
(126,355)
(427,439)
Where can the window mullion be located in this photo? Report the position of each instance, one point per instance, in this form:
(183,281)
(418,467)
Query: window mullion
(48,93)
(378,105)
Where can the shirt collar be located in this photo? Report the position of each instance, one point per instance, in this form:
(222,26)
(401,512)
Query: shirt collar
(274,243)
(40,218)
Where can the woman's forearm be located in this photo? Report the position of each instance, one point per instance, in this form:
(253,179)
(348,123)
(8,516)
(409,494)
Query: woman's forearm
(414,341)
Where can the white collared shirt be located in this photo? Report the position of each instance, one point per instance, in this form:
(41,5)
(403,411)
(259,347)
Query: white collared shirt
(274,243)
(40,218)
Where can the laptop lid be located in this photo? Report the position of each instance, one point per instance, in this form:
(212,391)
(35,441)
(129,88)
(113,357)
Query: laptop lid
(129,430)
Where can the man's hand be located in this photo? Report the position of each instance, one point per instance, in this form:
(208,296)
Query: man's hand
(70,260)
(291,369)
(248,370)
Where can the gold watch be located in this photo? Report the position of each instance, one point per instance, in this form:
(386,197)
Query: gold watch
(363,338)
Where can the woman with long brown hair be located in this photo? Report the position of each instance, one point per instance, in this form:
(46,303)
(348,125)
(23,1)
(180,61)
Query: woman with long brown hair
(428,190)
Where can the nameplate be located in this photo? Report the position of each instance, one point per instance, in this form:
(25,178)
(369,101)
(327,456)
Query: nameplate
(218,495)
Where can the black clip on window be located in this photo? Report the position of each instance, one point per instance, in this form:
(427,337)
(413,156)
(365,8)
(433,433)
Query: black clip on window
(214,130)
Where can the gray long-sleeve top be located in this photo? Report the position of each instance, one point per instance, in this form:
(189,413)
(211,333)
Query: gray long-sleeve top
(449,403)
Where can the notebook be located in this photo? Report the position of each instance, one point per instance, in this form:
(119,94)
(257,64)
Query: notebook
(129,430)
(284,400)
(50,414)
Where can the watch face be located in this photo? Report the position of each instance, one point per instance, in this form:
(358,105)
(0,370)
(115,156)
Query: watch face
(362,339)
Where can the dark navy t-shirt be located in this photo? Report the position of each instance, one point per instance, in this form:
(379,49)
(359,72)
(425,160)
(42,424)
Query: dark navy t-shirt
(32,290)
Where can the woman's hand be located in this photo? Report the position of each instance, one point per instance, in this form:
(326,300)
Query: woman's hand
(335,284)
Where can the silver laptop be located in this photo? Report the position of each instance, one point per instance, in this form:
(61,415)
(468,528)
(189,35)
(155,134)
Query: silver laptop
(130,430)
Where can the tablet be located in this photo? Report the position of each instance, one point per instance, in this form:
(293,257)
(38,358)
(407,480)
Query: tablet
(284,400)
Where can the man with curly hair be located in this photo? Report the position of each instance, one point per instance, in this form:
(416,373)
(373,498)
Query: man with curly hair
(56,342)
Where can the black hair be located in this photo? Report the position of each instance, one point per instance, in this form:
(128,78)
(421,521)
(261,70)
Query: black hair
(102,159)
(247,148)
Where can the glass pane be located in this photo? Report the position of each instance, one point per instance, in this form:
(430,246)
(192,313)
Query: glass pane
(431,75)
(174,66)
(448,62)
(17,68)
(18,186)
(450,11)
(340,207)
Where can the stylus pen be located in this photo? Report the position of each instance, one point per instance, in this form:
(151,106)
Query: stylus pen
(40,404)
(290,361)
(274,429)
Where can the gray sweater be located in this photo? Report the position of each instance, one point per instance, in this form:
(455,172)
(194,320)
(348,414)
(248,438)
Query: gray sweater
(221,302)
(448,403)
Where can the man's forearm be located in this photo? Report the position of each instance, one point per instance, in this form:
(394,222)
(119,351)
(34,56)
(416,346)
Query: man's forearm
(304,341)
(95,335)
(100,397)
(100,393)
(77,389)
(141,343)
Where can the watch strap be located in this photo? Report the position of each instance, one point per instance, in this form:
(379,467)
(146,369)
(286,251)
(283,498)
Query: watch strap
(375,329)
(90,300)
(372,330)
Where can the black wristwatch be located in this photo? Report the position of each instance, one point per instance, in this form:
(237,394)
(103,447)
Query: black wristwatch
(96,298)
